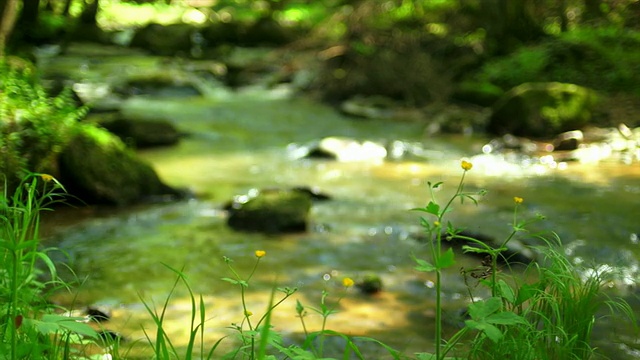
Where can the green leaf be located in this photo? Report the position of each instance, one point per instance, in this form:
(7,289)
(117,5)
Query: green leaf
(79,328)
(26,245)
(506,291)
(492,332)
(426,356)
(433,208)
(452,230)
(436,185)
(429,356)
(299,307)
(52,323)
(229,280)
(423,265)
(447,259)
(42,327)
(525,293)
(479,310)
(505,318)
(395,353)
(474,249)
(468,196)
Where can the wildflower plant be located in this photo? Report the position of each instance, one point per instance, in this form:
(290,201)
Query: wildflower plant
(549,318)
(325,310)
(254,335)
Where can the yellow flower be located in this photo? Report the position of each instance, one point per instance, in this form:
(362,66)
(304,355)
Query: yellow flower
(260,253)
(518,200)
(436,223)
(347,282)
(466,166)
(247,313)
(46,177)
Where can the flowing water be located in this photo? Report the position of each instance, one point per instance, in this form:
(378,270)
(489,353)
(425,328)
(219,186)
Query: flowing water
(245,139)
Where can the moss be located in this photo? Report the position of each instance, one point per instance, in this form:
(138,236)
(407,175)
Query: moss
(98,167)
(273,211)
(543,109)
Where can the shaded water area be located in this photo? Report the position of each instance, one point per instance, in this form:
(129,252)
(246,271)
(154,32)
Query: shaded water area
(245,139)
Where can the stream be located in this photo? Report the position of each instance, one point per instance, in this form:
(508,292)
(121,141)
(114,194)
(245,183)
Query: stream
(245,139)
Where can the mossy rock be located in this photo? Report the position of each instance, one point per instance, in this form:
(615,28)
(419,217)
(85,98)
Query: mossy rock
(97,167)
(477,93)
(272,212)
(543,109)
(370,284)
(142,133)
(166,40)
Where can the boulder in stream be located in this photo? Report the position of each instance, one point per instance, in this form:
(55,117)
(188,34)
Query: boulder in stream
(141,133)
(543,109)
(97,167)
(270,211)
(516,251)
(370,284)
(342,149)
(165,39)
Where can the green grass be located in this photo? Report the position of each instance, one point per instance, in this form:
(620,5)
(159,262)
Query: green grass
(547,312)
(30,327)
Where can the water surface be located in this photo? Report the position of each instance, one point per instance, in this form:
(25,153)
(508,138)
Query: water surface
(238,141)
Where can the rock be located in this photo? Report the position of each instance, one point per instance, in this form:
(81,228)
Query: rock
(88,33)
(509,142)
(569,140)
(142,133)
(543,109)
(164,84)
(97,167)
(270,211)
(165,39)
(455,119)
(342,149)
(372,107)
(218,33)
(313,192)
(110,336)
(98,315)
(370,284)
(477,93)
(266,31)
(517,252)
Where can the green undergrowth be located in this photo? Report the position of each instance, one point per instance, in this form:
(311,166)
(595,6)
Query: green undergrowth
(30,326)
(34,125)
(546,312)
(605,59)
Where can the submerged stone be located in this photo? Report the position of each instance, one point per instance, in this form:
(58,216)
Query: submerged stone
(515,252)
(343,149)
(271,211)
(370,284)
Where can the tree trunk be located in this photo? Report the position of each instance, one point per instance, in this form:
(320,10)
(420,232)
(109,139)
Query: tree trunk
(509,24)
(89,14)
(7,22)
(29,14)
(66,8)
(592,10)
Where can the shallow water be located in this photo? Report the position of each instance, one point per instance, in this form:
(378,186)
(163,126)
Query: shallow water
(243,140)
